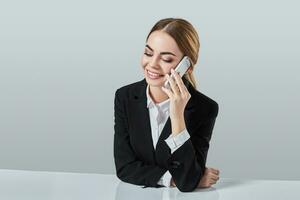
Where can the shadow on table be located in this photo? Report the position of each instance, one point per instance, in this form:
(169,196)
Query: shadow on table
(126,191)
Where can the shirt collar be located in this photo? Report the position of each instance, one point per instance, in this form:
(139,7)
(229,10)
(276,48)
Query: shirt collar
(150,103)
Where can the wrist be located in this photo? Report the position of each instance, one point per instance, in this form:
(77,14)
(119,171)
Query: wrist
(178,125)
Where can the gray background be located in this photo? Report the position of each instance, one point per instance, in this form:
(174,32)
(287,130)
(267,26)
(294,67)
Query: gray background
(61,62)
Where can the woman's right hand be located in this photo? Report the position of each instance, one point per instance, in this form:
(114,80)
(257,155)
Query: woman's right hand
(210,177)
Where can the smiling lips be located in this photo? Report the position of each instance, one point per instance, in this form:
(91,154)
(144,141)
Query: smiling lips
(153,75)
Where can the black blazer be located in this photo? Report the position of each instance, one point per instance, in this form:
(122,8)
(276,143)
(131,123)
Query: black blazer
(137,161)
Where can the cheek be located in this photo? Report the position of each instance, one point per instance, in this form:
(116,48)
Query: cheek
(144,62)
(167,69)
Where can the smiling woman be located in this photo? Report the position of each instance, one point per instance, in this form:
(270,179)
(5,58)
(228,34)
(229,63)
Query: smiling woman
(162,134)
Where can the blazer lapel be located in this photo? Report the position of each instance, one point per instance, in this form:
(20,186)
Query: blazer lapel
(141,122)
(162,150)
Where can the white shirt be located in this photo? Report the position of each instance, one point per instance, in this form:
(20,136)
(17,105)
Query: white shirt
(159,114)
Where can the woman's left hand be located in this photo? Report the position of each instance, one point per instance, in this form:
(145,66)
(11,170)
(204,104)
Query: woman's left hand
(179,96)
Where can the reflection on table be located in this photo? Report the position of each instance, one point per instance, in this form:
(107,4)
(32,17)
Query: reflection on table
(37,185)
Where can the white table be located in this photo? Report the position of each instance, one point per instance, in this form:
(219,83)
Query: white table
(37,185)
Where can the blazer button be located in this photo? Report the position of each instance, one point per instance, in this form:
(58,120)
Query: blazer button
(175,164)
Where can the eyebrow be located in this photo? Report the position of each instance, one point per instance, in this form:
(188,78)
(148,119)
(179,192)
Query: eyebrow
(161,53)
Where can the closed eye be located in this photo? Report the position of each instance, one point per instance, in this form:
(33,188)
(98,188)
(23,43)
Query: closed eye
(167,61)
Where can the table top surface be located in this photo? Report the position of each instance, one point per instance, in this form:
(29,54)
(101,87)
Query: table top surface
(41,185)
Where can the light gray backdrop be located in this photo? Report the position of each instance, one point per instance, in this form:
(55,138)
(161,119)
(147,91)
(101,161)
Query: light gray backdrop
(61,62)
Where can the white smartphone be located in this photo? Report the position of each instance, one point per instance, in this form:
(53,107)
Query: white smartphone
(182,67)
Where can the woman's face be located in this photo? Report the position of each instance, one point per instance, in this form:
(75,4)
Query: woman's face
(161,54)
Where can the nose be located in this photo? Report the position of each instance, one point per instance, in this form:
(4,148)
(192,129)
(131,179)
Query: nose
(154,62)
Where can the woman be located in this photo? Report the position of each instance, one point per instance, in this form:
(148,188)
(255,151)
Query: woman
(162,134)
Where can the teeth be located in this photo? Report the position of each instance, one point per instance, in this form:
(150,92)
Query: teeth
(153,74)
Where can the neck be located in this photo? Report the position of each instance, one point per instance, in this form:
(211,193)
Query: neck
(157,94)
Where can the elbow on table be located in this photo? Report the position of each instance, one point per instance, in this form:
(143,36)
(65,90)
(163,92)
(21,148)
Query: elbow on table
(187,187)
(122,176)
(127,177)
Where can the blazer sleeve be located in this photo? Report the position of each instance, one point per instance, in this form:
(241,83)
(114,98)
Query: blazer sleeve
(187,163)
(128,167)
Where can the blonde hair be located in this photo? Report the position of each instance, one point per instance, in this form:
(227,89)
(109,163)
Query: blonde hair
(186,38)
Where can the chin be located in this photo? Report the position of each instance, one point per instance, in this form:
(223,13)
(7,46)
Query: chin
(154,84)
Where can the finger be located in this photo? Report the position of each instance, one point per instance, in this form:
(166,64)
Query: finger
(215,171)
(168,92)
(214,177)
(179,81)
(173,85)
(212,180)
